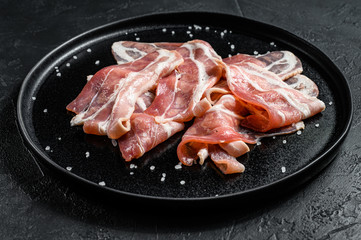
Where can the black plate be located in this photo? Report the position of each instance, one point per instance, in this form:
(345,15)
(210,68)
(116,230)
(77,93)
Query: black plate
(274,166)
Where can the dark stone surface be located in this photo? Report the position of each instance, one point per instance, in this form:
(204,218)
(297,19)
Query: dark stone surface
(36,205)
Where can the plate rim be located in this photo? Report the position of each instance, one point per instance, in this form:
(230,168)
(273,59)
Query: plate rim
(314,163)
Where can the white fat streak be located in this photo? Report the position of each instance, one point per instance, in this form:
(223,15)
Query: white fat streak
(141,104)
(168,129)
(89,77)
(120,50)
(303,108)
(202,154)
(287,57)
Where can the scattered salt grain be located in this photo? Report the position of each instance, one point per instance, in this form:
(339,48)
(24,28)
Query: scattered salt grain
(283,169)
(330,103)
(173,32)
(137,39)
(87,154)
(152,168)
(284,141)
(132,166)
(131,173)
(59,138)
(215,31)
(45,110)
(57,70)
(229,55)
(97,62)
(197,27)
(299,132)
(126,33)
(259,143)
(164,30)
(135,34)
(188,32)
(222,34)
(164,175)
(272,43)
(190,27)
(89,50)
(34,98)
(178,166)
(162,179)
(114,142)
(102,183)
(190,35)
(182,182)
(58,74)
(274,137)
(47,148)
(317,125)
(75,57)
(232,46)
(69,168)
(68,64)
(207,29)
(255,52)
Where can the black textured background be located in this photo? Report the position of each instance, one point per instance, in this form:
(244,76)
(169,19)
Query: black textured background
(37,205)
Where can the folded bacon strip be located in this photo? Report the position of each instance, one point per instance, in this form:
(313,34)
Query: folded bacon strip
(271,102)
(176,99)
(108,100)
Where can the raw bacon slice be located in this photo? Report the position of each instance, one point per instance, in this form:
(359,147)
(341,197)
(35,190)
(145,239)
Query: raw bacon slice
(176,99)
(283,63)
(271,102)
(303,84)
(114,96)
(225,162)
(128,51)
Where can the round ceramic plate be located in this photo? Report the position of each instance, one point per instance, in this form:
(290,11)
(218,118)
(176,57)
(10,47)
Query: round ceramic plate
(276,165)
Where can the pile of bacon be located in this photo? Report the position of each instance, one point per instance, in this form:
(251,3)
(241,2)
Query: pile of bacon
(235,101)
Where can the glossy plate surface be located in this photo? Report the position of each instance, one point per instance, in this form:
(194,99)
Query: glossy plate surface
(275,166)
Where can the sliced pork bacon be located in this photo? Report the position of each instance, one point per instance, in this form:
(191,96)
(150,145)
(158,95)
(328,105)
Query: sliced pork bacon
(271,102)
(115,96)
(283,63)
(177,97)
(128,51)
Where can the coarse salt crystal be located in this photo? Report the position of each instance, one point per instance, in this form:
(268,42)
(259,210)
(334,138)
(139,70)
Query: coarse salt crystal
(330,103)
(259,143)
(131,173)
(229,55)
(222,34)
(272,43)
(207,28)
(188,32)
(69,168)
(299,132)
(152,168)
(162,179)
(59,138)
(178,166)
(283,169)
(114,142)
(102,183)
(255,52)
(284,141)
(190,35)
(87,154)
(164,175)
(57,70)
(75,57)
(182,182)
(97,62)
(197,27)
(45,110)
(89,50)
(58,74)
(164,30)
(173,32)
(67,64)
(189,27)
(34,98)
(56,67)
(47,148)
(135,34)
(232,46)
(317,125)
(132,165)
(274,137)
(137,39)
